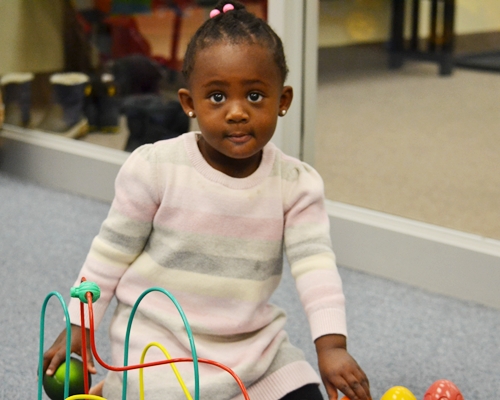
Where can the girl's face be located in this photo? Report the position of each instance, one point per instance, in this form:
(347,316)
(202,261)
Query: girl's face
(236,93)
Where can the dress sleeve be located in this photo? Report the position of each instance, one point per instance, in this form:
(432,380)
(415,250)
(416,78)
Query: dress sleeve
(124,232)
(309,251)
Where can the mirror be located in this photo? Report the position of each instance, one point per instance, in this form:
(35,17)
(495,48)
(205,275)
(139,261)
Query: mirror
(409,142)
(131,53)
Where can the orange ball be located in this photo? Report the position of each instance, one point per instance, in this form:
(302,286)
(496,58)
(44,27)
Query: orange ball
(443,390)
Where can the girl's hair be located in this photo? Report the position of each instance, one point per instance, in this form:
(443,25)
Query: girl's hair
(234,27)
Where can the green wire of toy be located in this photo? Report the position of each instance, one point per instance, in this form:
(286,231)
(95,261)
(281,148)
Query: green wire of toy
(68,343)
(188,331)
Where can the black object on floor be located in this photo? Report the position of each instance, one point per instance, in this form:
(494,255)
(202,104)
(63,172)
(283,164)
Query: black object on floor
(150,118)
(489,61)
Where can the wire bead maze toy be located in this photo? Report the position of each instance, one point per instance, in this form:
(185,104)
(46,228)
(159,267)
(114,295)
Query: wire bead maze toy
(89,292)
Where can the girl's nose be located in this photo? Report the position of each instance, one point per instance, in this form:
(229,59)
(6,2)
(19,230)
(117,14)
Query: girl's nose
(236,113)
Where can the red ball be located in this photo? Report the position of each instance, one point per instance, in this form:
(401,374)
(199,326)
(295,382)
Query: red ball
(443,390)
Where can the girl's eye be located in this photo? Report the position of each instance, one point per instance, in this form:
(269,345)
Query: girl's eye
(217,98)
(255,97)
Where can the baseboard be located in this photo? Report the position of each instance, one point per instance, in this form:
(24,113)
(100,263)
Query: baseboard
(433,258)
(437,259)
(477,42)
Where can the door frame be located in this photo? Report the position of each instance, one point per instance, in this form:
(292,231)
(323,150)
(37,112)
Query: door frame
(296,22)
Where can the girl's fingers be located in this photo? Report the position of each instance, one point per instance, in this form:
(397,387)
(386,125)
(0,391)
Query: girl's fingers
(90,364)
(365,384)
(357,388)
(57,360)
(331,390)
(90,359)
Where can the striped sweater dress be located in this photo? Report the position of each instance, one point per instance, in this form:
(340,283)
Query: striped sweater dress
(217,244)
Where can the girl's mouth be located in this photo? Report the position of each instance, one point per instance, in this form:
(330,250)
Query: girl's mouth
(239,138)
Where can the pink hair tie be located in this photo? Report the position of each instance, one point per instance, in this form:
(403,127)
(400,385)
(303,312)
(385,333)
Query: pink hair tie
(226,8)
(214,13)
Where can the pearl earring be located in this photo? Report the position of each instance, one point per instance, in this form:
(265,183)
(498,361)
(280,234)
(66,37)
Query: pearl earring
(191,114)
(283,113)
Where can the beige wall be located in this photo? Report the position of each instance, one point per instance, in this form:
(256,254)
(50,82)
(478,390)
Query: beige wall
(31,36)
(356,21)
(478,16)
(353,21)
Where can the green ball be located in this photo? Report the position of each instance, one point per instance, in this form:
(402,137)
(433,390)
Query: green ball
(54,384)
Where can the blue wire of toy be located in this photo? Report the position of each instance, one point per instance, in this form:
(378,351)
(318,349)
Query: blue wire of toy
(188,331)
(68,344)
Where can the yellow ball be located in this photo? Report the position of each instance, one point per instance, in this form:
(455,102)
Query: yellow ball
(398,393)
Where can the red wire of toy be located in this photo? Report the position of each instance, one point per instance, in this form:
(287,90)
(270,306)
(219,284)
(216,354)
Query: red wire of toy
(84,346)
(145,365)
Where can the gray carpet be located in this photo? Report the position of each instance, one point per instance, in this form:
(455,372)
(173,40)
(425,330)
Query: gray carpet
(400,335)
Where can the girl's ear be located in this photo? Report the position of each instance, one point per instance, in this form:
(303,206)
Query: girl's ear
(186,101)
(286,98)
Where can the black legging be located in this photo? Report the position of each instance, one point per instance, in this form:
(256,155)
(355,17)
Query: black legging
(307,392)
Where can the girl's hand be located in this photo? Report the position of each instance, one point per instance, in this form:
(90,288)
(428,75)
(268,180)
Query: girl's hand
(56,355)
(339,370)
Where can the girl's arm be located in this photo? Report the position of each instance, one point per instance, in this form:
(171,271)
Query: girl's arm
(121,239)
(125,231)
(308,246)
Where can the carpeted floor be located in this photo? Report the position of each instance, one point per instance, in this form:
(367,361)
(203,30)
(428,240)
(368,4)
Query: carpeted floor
(409,142)
(399,335)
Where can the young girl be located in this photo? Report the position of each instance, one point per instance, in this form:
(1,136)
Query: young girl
(208,216)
